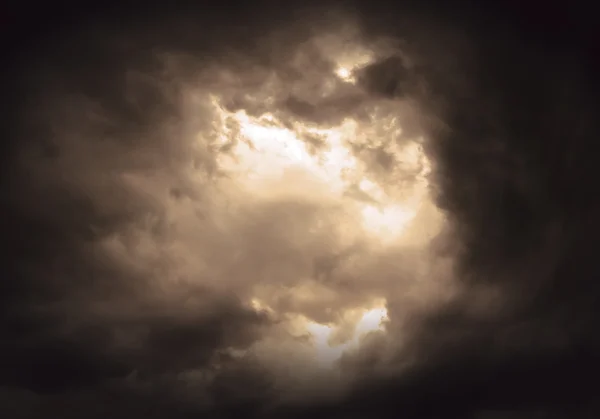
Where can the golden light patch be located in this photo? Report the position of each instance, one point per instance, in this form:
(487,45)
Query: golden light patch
(344,73)
(386,222)
(324,347)
(348,54)
(268,158)
(328,353)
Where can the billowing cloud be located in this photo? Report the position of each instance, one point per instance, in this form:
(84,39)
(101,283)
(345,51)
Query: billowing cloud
(301,215)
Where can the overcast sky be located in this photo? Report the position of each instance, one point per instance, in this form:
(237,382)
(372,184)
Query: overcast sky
(299,210)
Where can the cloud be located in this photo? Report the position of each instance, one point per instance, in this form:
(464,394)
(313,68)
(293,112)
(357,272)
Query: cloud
(165,256)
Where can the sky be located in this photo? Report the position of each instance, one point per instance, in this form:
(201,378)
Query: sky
(322,210)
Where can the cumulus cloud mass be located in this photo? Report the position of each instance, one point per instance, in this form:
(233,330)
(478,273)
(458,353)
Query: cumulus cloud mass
(298,212)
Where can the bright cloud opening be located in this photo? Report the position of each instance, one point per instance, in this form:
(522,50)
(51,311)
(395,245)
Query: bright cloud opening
(260,151)
(327,353)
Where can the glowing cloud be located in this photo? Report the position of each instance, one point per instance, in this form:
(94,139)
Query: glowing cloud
(359,169)
(327,354)
(261,151)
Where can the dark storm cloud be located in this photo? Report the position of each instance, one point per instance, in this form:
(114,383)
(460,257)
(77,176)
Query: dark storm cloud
(74,317)
(514,174)
(389,78)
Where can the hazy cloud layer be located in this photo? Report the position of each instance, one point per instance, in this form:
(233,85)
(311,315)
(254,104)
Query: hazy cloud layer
(144,277)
